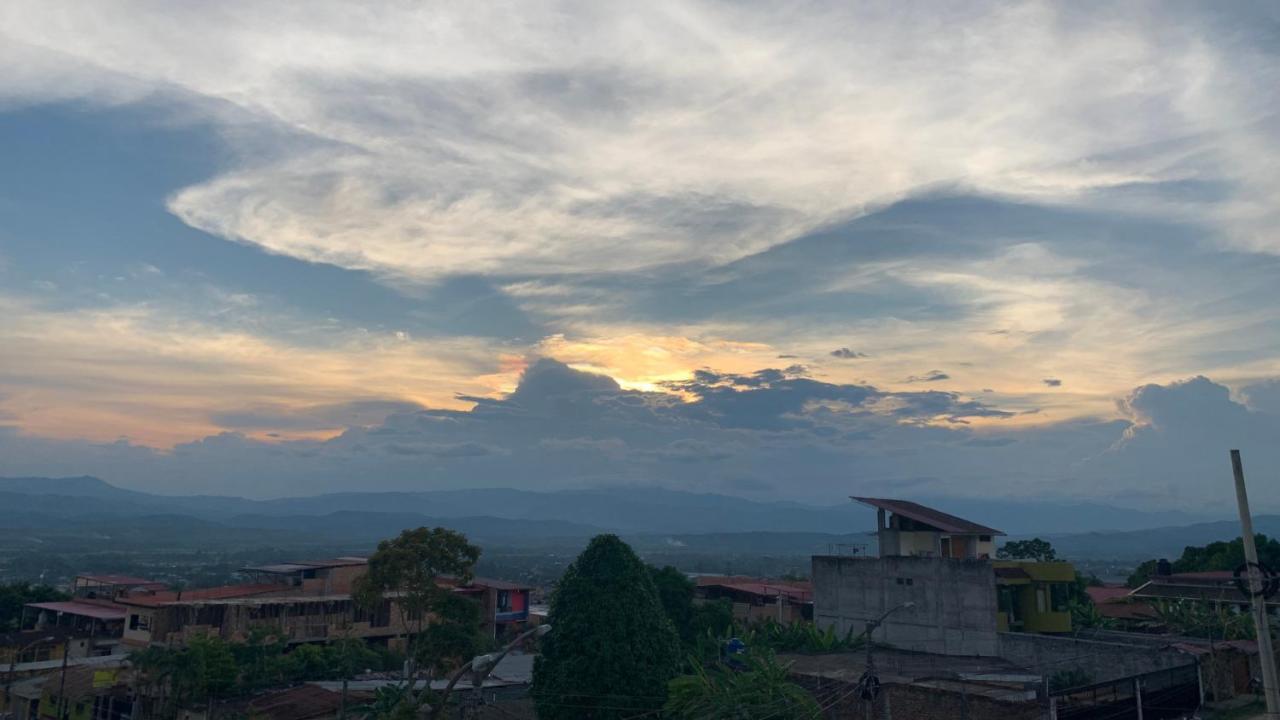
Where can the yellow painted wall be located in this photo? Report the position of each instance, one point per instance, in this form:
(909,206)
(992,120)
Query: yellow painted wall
(1035,598)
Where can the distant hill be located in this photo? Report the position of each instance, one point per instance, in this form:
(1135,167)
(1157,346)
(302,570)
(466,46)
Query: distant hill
(621,509)
(1164,542)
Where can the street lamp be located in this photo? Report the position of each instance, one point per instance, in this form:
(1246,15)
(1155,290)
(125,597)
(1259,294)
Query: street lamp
(13,667)
(480,667)
(869,683)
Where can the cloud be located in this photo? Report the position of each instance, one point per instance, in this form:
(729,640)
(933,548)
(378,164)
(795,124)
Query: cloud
(1052,382)
(763,433)
(931,376)
(670,133)
(845,353)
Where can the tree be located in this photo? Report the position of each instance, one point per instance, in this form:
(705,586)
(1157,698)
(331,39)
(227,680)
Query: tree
(411,566)
(1221,555)
(675,592)
(761,690)
(612,649)
(13,597)
(1033,549)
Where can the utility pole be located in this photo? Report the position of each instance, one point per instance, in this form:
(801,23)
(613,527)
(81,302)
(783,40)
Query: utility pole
(1263,631)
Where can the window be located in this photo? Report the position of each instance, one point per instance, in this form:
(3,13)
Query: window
(504,601)
(1058,597)
(984,538)
(139,622)
(906,581)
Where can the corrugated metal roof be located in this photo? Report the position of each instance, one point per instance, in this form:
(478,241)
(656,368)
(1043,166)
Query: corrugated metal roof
(92,610)
(215,593)
(929,516)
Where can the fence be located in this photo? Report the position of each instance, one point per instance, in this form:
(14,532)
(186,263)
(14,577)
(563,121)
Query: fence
(1159,695)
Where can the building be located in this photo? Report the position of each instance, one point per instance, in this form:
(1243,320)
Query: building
(505,605)
(311,577)
(110,587)
(936,587)
(303,602)
(913,530)
(756,599)
(1033,596)
(95,626)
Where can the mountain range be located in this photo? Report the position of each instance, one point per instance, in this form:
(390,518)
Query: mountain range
(654,516)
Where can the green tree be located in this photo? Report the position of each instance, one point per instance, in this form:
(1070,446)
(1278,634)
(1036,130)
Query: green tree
(410,567)
(1033,549)
(14,596)
(1221,555)
(612,649)
(675,592)
(761,690)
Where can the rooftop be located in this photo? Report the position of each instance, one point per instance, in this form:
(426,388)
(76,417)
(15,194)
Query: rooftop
(288,568)
(945,522)
(224,592)
(97,611)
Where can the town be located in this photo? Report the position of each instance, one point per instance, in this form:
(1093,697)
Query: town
(943,621)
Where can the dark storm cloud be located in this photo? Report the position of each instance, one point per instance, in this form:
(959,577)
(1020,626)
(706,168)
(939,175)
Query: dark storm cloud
(1052,382)
(845,353)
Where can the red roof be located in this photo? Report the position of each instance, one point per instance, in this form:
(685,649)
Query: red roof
(929,516)
(768,590)
(299,703)
(225,592)
(1121,610)
(97,611)
(1107,594)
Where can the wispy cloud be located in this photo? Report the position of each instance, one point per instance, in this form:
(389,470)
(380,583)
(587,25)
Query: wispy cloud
(581,137)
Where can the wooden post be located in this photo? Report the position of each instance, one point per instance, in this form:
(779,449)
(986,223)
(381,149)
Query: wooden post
(1263,631)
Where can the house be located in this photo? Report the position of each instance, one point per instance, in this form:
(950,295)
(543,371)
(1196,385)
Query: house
(505,604)
(304,601)
(913,530)
(96,625)
(110,587)
(1125,612)
(1216,587)
(934,587)
(311,577)
(1033,596)
(758,599)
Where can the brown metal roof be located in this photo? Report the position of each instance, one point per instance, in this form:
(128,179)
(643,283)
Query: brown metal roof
(90,610)
(929,516)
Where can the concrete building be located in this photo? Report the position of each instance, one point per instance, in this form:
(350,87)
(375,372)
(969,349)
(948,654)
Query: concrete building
(936,580)
(954,601)
(911,529)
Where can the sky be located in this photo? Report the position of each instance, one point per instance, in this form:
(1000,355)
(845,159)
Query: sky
(777,250)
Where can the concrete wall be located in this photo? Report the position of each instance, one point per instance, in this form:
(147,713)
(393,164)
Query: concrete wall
(955,601)
(1103,661)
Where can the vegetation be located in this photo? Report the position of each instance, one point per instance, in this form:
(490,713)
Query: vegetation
(14,596)
(411,566)
(1033,549)
(1202,619)
(1214,556)
(613,649)
(761,689)
(1069,678)
(443,629)
(209,668)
